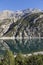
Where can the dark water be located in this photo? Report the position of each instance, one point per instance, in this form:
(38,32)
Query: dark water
(21,46)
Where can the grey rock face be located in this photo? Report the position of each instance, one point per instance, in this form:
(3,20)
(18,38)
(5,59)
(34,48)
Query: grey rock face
(23,23)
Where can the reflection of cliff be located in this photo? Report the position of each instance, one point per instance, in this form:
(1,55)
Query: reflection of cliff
(3,46)
(23,46)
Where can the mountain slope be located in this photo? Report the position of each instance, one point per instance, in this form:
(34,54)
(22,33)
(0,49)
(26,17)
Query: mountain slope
(29,23)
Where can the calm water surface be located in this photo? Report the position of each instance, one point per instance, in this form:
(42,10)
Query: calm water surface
(24,46)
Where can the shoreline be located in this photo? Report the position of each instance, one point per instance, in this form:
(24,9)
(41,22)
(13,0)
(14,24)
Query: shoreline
(11,38)
(30,54)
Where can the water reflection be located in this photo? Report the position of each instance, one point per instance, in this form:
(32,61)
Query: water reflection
(23,46)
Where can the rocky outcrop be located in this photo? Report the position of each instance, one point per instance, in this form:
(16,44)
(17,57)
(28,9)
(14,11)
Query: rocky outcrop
(26,23)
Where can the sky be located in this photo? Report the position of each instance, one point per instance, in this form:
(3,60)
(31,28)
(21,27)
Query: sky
(20,4)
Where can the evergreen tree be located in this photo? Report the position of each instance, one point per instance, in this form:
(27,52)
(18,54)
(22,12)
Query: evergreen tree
(8,58)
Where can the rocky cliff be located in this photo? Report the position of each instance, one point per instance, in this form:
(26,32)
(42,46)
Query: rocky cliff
(23,23)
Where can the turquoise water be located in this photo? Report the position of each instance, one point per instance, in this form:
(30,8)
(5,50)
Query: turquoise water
(21,46)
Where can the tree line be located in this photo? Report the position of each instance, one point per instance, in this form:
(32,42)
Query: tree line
(9,59)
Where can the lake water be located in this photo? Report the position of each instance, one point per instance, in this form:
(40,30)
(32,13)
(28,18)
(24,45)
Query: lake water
(21,46)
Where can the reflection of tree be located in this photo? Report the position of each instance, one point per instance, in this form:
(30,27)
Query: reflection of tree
(25,46)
